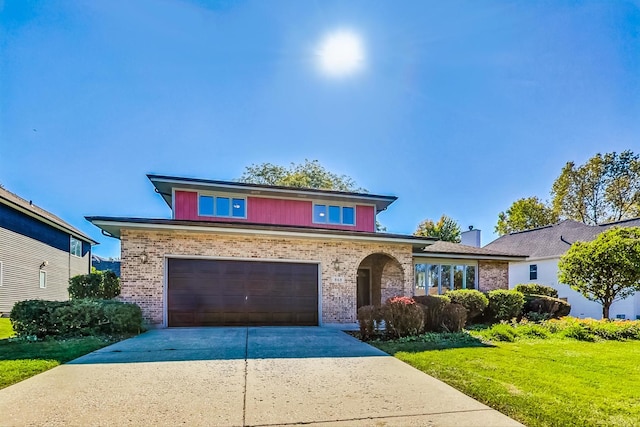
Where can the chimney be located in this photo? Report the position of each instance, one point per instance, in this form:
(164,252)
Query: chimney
(471,237)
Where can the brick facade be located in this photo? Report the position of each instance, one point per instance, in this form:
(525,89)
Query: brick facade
(493,275)
(143,283)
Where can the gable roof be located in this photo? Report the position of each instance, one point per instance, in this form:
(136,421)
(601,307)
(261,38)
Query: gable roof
(442,249)
(28,208)
(164,185)
(553,240)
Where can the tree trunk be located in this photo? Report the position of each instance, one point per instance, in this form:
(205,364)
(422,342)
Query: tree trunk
(605,310)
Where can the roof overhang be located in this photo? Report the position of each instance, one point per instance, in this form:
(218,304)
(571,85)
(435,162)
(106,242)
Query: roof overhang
(35,215)
(480,257)
(114,226)
(166,184)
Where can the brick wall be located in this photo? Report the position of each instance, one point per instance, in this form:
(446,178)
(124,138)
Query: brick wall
(143,284)
(493,275)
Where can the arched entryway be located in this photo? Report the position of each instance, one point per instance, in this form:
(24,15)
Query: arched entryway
(380,276)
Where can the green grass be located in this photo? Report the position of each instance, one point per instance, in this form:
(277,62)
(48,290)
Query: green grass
(20,359)
(550,382)
(6,331)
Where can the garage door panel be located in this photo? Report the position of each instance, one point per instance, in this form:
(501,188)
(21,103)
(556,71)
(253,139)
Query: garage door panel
(225,292)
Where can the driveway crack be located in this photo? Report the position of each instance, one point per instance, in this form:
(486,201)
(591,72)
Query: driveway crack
(246,368)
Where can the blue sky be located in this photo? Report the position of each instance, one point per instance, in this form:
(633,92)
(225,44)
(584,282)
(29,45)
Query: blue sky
(462,107)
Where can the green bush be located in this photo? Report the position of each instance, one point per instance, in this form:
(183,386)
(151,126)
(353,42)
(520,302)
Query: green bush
(34,318)
(589,329)
(402,317)
(505,305)
(500,332)
(475,302)
(369,317)
(532,330)
(75,318)
(536,289)
(96,285)
(432,307)
(551,308)
(454,316)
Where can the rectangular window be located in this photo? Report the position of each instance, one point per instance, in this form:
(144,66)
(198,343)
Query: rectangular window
(205,206)
(445,278)
(319,213)
(222,206)
(348,215)
(459,279)
(237,209)
(433,278)
(533,272)
(471,277)
(421,279)
(333,214)
(43,279)
(76,247)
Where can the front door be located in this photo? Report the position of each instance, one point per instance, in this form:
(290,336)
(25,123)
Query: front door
(364,287)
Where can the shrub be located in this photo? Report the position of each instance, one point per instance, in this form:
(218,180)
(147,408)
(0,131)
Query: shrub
(75,318)
(454,316)
(402,316)
(369,318)
(536,289)
(500,332)
(532,330)
(589,329)
(552,308)
(432,306)
(505,305)
(475,302)
(98,285)
(34,318)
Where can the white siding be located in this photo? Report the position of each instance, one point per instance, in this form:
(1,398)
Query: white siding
(21,258)
(580,306)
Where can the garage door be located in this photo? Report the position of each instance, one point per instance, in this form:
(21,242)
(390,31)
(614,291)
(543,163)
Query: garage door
(237,293)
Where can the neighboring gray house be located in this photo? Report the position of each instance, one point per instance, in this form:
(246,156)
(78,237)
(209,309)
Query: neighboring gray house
(544,247)
(39,252)
(105,264)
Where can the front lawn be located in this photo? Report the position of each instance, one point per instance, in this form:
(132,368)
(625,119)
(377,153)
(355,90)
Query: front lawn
(537,382)
(21,359)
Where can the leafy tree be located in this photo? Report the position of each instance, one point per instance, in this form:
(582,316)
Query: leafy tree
(606,269)
(445,229)
(525,214)
(310,174)
(606,188)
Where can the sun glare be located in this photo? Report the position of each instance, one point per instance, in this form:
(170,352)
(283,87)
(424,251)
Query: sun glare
(341,54)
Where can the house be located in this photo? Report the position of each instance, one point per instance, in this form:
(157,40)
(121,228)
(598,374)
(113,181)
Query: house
(245,254)
(39,252)
(544,246)
(105,264)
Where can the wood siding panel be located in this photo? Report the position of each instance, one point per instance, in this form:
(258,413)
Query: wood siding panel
(185,205)
(21,257)
(262,210)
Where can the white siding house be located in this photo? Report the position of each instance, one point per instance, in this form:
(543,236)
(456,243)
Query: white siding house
(545,246)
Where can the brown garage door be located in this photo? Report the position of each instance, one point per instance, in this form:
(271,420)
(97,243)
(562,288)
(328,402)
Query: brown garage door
(221,292)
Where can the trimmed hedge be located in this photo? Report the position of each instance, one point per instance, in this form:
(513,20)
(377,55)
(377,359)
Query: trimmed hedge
(98,285)
(475,302)
(369,318)
(545,307)
(536,289)
(82,317)
(505,305)
(454,316)
(402,316)
(432,307)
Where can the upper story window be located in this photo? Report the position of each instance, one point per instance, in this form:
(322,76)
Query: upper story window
(533,272)
(334,214)
(76,247)
(43,279)
(230,207)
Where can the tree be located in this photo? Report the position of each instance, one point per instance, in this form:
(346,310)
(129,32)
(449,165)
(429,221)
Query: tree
(310,174)
(445,229)
(606,188)
(606,269)
(525,214)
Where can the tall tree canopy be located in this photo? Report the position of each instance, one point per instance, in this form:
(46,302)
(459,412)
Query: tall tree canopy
(310,174)
(525,214)
(606,188)
(606,269)
(445,229)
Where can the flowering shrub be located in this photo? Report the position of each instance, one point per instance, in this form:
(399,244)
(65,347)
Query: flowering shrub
(402,316)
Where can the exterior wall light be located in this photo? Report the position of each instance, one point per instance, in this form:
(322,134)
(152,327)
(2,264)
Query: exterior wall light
(44,264)
(144,258)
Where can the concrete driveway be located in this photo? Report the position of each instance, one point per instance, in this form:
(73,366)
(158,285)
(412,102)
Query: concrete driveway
(240,377)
